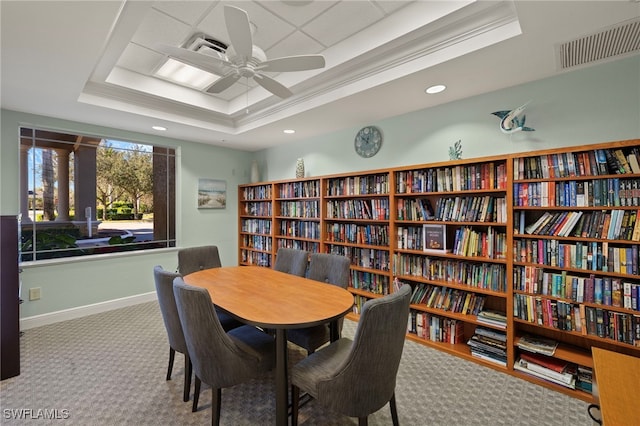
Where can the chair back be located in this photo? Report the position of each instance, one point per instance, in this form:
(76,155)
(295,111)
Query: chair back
(375,354)
(329,268)
(292,261)
(164,288)
(192,259)
(217,359)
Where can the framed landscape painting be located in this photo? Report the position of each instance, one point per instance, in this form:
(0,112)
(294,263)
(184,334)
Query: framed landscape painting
(212,194)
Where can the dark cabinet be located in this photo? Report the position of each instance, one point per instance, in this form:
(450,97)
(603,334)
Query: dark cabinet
(9,298)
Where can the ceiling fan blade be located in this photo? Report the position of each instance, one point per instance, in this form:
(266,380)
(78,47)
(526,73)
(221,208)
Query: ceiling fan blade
(292,63)
(224,83)
(272,85)
(239,30)
(199,60)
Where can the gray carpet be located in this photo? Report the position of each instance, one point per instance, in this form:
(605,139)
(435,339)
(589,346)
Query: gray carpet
(109,369)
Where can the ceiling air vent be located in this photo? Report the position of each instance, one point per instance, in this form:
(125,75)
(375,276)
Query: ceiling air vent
(621,39)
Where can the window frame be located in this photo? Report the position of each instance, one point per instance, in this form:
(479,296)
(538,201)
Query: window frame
(163,170)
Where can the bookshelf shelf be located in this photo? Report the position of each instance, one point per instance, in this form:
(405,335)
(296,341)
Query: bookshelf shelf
(490,216)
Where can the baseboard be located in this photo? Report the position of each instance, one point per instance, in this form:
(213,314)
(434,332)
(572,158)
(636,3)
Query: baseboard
(82,311)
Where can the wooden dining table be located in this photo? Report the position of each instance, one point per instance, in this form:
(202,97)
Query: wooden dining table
(278,301)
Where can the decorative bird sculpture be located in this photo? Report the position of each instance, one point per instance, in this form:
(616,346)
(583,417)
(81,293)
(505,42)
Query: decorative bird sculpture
(513,120)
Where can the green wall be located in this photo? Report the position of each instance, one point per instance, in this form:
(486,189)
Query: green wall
(73,283)
(591,105)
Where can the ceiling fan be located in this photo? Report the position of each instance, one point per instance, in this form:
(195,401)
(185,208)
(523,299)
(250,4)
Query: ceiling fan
(243,58)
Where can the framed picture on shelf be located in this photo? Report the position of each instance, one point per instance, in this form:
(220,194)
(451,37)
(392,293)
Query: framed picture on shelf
(435,237)
(212,193)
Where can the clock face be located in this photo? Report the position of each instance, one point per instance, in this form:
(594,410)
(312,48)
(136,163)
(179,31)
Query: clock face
(368,141)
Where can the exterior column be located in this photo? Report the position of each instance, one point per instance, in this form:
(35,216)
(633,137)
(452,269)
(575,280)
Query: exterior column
(24,183)
(85,184)
(63,185)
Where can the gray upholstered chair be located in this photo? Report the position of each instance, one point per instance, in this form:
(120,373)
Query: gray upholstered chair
(291,261)
(192,259)
(334,375)
(327,268)
(219,359)
(164,288)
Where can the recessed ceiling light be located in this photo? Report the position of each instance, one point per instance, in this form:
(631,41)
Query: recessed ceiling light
(435,89)
(289,131)
(162,129)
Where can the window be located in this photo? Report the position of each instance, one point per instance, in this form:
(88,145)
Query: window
(83,195)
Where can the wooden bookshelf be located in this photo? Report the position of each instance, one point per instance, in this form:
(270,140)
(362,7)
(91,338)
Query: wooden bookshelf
(574,215)
(488,209)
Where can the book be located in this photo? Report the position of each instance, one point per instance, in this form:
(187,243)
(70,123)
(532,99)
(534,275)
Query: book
(549,362)
(435,237)
(538,344)
(563,379)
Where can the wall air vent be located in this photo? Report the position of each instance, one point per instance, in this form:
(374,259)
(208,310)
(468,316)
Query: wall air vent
(619,40)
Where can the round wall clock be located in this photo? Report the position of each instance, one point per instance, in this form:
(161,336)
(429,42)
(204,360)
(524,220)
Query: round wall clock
(368,141)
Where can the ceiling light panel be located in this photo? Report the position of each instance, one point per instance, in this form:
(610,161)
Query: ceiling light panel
(186,75)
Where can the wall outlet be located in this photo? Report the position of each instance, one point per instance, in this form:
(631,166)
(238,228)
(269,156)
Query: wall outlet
(34,293)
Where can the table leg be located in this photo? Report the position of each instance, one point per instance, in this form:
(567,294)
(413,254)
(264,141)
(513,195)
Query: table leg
(282,386)
(334,333)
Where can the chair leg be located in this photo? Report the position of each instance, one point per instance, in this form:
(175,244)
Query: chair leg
(363,421)
(394,410)
(196,394)
(216,399)
(187,378)
(172,355)
(295,404)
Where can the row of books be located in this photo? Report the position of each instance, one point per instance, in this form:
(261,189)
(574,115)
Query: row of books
(473,243)
(587,163)
(456,178)
(363,257)
(300,228)
(548,312)
(609,291)
(484,208)
(375,209)
(256,242)
(256,226)
(257,258)
(448,299)
(304,189)
(261,192)
(488,276)
(414,209)
(309,246)
(377,235)
(609,192)
(410,238)
(589,256)
(489,345)
(305,209)
(588,320)
(435,328)
(359,185)
(258,208)
(611,225)
(374,283)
